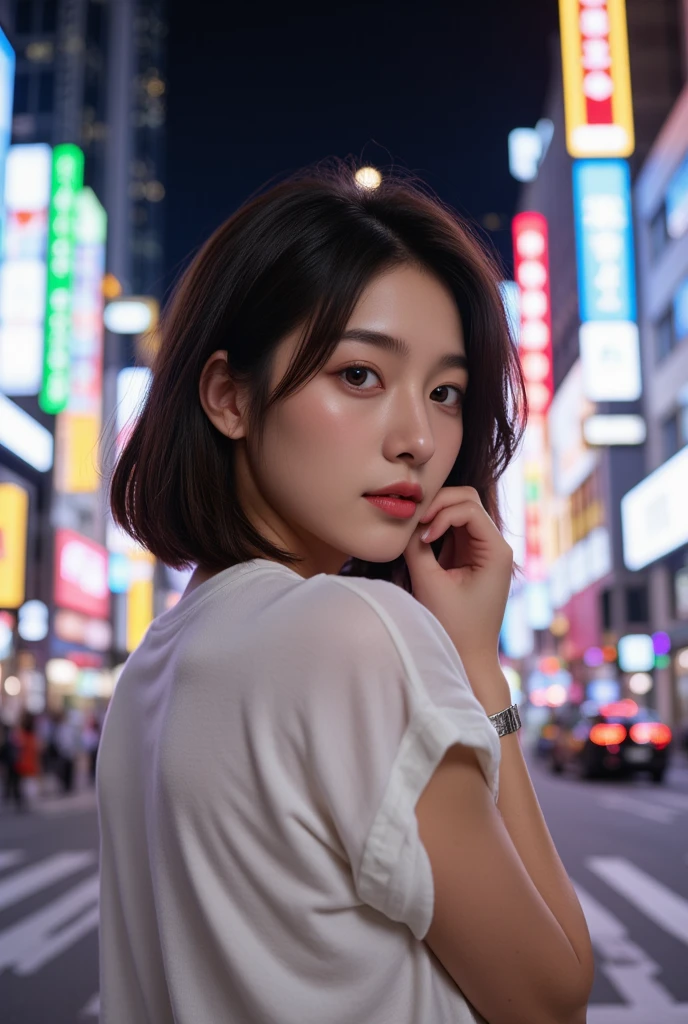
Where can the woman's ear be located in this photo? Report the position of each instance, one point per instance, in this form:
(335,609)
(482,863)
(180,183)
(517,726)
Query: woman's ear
(223,400)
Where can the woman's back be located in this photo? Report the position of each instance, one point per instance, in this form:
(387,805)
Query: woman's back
(260,764)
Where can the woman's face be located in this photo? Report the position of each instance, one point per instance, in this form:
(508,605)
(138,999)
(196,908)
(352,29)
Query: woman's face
(371,418)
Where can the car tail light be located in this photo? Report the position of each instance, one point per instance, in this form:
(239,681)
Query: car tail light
(656,733)
(620,709)
(605,734)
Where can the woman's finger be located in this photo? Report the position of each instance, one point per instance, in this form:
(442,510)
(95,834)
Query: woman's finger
(450,496)
(467,513)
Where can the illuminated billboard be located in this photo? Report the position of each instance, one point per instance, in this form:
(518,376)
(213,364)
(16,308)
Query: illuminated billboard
(14,517)
(21,434)
(531,270)
(609,342)
(132,388)
(597,78)
(81,575)
(23,270)
(67,181)
(78,427)
(654,521)
(7,66)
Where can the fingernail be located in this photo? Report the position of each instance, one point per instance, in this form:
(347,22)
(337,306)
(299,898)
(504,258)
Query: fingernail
(424,536)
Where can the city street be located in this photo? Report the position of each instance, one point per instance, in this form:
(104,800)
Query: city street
(624,844)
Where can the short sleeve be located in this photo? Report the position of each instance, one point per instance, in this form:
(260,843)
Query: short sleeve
(394,700)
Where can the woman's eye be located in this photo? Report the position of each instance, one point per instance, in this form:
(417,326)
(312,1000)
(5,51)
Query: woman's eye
(459,394)
(356,376)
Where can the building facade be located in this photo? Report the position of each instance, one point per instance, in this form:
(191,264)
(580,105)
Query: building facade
(596,598)
(89,73)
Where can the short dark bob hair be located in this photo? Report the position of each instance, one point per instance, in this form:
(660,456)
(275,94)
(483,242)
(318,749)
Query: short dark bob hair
(300,256)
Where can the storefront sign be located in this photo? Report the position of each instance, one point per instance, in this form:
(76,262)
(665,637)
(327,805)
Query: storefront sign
(609,343)
(597,79)
(14,518)
(23,269)
(78,427)
(654,517)
(67,180)
(81,575)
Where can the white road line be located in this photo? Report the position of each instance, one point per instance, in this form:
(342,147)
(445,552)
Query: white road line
(92,1007)
(631,972)
(39,876)
(649,812)
(26,939)
(8,858)
(663,906)
(53,946)
(677,800)
(676,1014)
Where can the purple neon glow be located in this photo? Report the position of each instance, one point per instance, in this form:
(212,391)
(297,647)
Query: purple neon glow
(661,642)
(593,657)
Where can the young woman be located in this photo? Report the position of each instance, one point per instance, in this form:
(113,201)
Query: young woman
(307,813)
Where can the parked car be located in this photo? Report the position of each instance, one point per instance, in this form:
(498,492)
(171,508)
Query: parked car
(612,739)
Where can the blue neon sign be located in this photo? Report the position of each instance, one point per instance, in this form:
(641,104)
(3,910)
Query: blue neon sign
(604,240)
(7,65)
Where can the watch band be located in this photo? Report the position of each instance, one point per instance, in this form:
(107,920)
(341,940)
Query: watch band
(506,721)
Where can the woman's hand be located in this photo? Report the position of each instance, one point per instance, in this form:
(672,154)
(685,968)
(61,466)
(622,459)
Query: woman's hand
(468,586)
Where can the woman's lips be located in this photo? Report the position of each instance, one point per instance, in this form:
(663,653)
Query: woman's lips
(400,508)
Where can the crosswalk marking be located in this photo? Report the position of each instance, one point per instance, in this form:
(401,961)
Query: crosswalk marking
(22,945)
(650,812)
(631,971)
(677,800)
(40,875)
(92,1007)
(663,906)
(8,858)
(52,946)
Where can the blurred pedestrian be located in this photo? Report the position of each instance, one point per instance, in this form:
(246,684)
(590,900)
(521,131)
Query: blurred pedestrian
(9,753)
(24,762)
(90,739)
(68,746)
(29,758)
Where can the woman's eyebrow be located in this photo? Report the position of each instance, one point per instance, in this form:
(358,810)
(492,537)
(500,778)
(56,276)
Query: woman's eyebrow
(450,361)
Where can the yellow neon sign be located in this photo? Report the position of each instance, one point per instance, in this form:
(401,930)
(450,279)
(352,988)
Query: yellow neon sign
(597,78)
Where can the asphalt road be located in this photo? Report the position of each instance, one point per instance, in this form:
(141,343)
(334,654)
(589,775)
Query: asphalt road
(625,845)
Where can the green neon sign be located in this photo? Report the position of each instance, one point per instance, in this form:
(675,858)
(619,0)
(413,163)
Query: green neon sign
(67,180)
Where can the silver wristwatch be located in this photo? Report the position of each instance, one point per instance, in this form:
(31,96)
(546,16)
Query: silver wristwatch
(506,721)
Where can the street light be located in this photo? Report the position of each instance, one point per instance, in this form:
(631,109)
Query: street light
(368,177)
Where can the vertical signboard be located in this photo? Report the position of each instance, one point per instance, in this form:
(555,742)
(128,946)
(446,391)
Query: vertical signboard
(67,180)
(78,427)
(597,78)
(22,272)
(14,517)
(531,270)
(7,66)
(609,342)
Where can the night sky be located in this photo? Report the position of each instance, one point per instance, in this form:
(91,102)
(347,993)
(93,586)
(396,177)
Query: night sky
(256,92)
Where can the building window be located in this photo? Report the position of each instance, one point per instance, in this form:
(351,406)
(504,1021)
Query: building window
(24,18)
(670,436)
(606,604)
(664,335)
(94,22)
(49,16)
(21,93)
(637,605)
(46,92)
(658,232)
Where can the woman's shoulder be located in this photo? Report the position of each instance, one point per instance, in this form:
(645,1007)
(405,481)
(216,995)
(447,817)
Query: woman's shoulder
(376,614)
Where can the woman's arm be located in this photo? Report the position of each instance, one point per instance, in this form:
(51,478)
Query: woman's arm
(507,925)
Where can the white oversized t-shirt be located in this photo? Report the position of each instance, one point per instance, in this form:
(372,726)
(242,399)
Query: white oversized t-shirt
(260,763)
